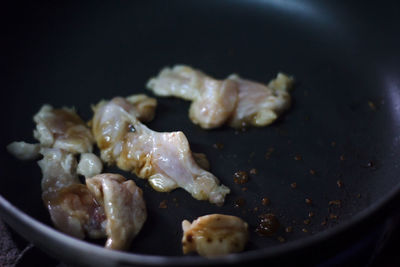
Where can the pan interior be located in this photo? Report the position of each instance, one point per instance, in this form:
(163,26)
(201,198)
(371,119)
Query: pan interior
(343,125)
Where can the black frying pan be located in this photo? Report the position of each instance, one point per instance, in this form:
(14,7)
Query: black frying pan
(344,122)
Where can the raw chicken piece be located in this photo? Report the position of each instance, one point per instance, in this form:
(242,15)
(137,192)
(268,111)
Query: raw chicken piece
(107,206)
(62,128)
(214,235)
(213,100)
(164,159)
(72,207)
(180,81)
(260,105)
(89,165)
(124,207)
(145,106)
(233,101)
(23,150)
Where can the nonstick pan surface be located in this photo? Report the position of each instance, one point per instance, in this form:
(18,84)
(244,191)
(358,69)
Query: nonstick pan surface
(339,141)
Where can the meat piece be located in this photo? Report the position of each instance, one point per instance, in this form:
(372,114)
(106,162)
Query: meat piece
(233,101)
(145,106)
(62,128)
(107,206)
(164,159)
(214,235)
(23,150)
(58,169)
(180,81)
(260,105)
(213,100)
(89,165)
(124,207)
(75,212)
(72,207)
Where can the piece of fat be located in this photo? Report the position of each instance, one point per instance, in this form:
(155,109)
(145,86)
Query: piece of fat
(89,165)
(24,151)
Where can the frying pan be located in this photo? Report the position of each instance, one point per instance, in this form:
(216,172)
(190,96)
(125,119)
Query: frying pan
(343,127)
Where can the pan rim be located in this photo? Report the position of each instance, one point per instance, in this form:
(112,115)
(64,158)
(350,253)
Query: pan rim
(11,213)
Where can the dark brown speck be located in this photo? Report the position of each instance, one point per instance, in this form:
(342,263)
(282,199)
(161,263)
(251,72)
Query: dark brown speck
(370,164)
(240,177)
(289,229)
(265,201)
(335,203)
(298,157)
(240,202)
(269,153)
(253,171)
(333,216)
(131,128)
(372,105)
(268,225)
(218,146)
(163,204)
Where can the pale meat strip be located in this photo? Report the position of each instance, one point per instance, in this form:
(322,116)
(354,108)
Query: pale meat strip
(213,100)
(165,159)
(233,101)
